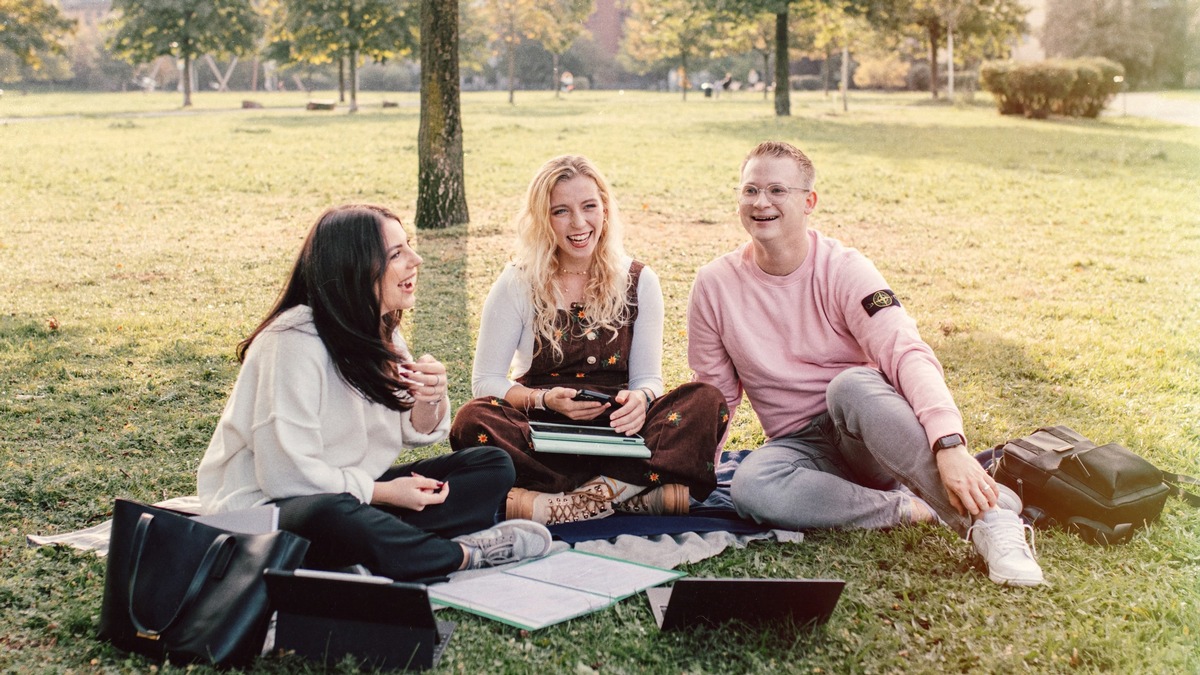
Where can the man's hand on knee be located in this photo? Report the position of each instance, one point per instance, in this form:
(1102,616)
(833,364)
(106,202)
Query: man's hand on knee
(970,488)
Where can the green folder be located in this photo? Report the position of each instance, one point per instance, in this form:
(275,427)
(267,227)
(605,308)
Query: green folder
(580,439)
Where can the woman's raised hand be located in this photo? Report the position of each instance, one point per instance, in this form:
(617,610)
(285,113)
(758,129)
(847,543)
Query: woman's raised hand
(428,378)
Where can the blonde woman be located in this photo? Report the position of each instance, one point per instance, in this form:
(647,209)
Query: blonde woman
(573,311)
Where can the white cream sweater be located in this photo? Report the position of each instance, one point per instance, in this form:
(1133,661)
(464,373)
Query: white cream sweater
(293,427)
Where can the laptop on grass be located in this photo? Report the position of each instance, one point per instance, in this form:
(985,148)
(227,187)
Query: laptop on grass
(323,616)
(712,602)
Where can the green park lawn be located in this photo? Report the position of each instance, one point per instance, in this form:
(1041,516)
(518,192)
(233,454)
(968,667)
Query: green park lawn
(1052,265)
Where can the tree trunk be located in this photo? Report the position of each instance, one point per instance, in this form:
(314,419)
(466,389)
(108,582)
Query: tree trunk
(441,190)
(950,62)
(766,69)
(825,70)
(934,36)
(683,75)
(254,75)
(512,73)
(353,80)
(846,78)
(554,82)
(187,81)
(783,62)
(341,79)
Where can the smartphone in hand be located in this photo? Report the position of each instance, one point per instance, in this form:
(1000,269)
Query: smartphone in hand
(589,395)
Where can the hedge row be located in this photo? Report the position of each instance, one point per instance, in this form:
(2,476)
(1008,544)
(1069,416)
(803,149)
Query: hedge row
(1076,87)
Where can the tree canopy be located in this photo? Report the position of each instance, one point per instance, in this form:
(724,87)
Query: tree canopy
(1152,39)
(562,27)
(506,24)
(185,29)
(31,29)
(984,27)
(673,31)
(320,31)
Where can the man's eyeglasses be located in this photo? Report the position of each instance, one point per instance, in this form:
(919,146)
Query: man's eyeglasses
(776,193)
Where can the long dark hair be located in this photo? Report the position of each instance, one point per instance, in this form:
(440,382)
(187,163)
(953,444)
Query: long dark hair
(337,274)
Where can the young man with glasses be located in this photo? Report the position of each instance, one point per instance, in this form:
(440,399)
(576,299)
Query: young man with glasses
(862,429)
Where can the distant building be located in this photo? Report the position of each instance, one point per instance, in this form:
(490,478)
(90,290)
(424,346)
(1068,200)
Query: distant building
(607,25)
(1029,46)
(86,12)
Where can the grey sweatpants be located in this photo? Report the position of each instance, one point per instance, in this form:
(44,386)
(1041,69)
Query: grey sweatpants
(852,467)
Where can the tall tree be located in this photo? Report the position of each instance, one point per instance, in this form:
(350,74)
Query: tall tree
(320,31)
(31,29)
(758,36)
(441,188)
(991,24)
(673,31)
(562,24)
(1153,39)
(510,22)
(784,11)
(186,29)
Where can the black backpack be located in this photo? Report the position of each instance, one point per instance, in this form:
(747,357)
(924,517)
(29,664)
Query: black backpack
(1105,493)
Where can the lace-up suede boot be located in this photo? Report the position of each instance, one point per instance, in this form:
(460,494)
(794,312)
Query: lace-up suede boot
(589,502)
(664,500)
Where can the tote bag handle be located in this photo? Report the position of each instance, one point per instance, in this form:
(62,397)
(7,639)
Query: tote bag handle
(220,549)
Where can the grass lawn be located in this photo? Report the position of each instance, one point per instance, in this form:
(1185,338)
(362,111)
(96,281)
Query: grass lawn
(1052,265)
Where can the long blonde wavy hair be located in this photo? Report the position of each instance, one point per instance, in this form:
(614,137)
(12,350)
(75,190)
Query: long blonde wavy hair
(606,306)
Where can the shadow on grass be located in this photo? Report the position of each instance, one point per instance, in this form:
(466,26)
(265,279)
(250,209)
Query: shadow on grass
(529,112)
(441,322)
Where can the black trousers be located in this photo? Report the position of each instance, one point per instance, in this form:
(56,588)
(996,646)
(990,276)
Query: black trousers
(402,544)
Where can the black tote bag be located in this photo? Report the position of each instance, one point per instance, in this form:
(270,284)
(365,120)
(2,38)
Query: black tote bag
(181,589)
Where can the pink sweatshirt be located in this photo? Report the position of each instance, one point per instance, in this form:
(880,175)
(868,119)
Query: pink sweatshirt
(783,339)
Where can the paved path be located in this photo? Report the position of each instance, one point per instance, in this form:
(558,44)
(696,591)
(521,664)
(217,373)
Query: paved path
(1152,105)
(1155,106)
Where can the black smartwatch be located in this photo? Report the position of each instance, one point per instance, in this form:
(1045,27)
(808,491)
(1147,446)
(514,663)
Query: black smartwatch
(948,441)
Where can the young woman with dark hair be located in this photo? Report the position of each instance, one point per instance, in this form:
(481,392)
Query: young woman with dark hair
(327,399)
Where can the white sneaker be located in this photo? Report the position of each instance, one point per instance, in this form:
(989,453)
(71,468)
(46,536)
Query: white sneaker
(509,541)
(1007,499)
(999,537)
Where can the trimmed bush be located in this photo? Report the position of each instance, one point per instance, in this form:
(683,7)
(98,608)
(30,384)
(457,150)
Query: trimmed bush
(881,73)
(1077,88)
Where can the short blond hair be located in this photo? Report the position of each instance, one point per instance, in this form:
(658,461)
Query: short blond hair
(785,150)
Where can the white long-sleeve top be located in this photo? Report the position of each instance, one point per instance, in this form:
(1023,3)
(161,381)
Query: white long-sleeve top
(293,427)
(504,350)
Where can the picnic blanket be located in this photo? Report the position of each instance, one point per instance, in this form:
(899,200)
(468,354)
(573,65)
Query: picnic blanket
(662,541)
